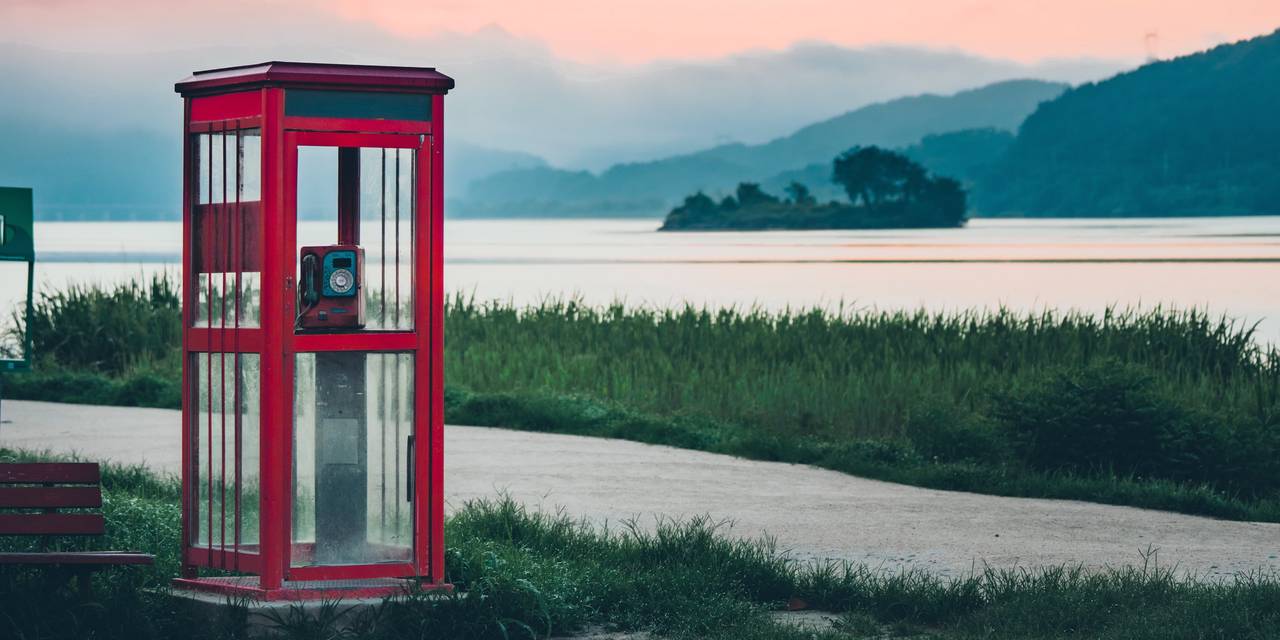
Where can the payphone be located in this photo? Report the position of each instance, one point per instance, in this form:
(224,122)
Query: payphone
(330,288)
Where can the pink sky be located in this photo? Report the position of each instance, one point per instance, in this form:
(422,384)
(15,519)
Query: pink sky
(1025,30)
(640,31)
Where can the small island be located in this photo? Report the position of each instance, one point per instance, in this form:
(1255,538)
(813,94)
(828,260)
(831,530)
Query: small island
(886,190)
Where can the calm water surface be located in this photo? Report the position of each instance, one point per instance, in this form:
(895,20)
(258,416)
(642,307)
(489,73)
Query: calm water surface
(1227,265)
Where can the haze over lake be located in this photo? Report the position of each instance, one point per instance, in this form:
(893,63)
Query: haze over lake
(1227,265)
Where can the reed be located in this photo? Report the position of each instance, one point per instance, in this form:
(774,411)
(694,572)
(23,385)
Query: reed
(839,373)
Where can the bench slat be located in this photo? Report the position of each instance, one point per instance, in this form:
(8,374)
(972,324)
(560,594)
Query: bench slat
(49,497)
(52,524)
(59,472)
(86,557)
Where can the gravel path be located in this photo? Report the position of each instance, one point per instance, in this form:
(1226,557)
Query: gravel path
(811,512)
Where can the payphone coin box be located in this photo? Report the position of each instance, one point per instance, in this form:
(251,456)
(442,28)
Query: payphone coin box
(331,295)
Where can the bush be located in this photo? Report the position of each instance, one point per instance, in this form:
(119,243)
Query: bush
(108,330)
(138,388)
(1111,417)
(947,433)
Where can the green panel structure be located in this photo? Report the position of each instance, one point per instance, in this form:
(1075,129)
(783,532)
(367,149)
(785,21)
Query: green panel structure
(17,263)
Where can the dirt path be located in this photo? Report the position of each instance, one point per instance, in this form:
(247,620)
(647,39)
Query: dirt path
(810,511)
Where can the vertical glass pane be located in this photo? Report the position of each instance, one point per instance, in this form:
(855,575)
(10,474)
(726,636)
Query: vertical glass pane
(387,203)
(13,309)
(249,442)
(226,435)
(317,200)
(226,254)
(353,419)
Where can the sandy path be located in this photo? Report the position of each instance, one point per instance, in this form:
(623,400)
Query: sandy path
(813,512)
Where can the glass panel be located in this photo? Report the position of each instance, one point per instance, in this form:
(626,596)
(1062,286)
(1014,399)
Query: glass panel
(353,419)
(384,200)
(226,435)
(318,195)
(13,309)
(387,203)
(226,253)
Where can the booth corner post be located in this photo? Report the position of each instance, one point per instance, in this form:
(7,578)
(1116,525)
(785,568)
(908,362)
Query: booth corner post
(312,373)
(17,263)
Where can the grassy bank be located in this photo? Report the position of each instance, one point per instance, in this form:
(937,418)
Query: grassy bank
(1163,409)
(523,574)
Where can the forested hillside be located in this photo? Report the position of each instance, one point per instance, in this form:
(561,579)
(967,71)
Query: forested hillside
(1198,135)
(651,187)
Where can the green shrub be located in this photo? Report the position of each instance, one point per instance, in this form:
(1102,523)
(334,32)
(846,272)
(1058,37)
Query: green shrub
(136,388)
(946,433)
(1113,417)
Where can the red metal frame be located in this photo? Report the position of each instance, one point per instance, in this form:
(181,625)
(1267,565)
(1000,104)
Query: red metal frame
(241,587)
(253,97)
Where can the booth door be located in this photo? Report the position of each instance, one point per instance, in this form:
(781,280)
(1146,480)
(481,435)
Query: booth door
(353,208)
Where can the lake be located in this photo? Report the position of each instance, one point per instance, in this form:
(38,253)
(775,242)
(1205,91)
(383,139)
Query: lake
(1226,265)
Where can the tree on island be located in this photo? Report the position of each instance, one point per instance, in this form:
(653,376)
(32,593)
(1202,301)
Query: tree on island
(751,195)
(876,177)
(800,195)
(885,189)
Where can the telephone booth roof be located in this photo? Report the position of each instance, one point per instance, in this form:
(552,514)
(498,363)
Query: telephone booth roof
(315,75)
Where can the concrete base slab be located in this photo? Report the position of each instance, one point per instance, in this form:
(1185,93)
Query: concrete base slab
(262,619)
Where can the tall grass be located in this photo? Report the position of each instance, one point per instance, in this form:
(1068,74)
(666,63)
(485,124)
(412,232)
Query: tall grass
(847,374)
(130,326)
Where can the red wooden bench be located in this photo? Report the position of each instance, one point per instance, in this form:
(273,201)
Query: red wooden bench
(31,495)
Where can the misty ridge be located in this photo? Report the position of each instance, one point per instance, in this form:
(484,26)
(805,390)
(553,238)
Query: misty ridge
(993,111)
(531,134)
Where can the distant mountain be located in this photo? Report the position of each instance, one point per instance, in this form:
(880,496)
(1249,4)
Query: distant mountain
(969,155)
(901,122)
(651,187)
(1197,135)
(59,164)
(465,163)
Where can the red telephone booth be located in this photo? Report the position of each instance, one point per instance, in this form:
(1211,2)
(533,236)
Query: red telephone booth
(312,397)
